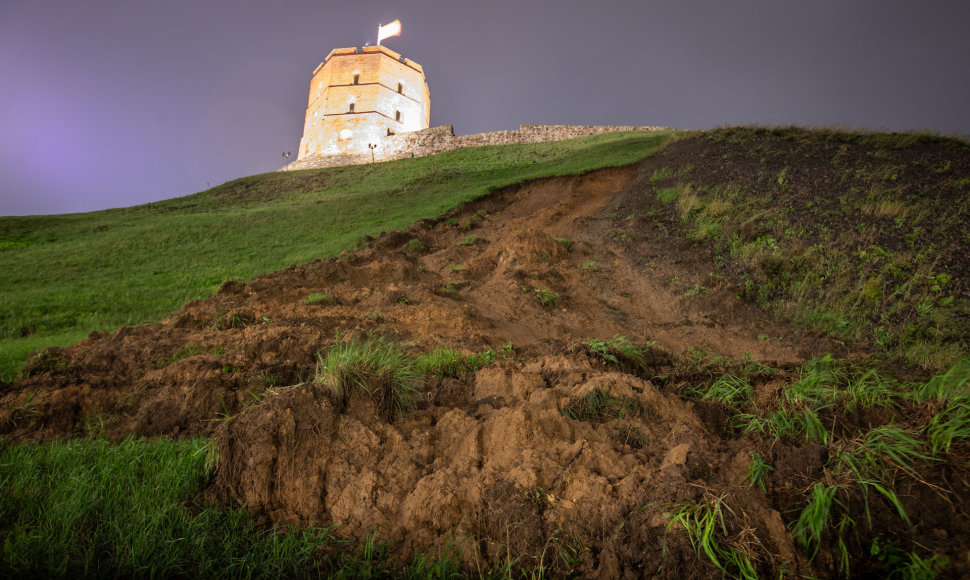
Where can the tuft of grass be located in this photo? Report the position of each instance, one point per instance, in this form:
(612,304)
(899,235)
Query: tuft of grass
(730,390)
(948,394)
(599,406)
(708,534)
(468,240)
(618,348)
(547,298)
(377,368)
(758,471)
(415,245)
(814,518)
(445,362)
(318,298)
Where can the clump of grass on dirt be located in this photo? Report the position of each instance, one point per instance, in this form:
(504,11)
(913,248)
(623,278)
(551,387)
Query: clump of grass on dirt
(379,369)
(448,362)
(547,298)
(866,463)
(445,362)
(705,527)
(599,406)
(618,349)
(824,386)
(318,298)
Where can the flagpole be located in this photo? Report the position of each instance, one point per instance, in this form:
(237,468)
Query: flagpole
(379,34)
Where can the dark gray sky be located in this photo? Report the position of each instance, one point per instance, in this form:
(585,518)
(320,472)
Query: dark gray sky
(109,103)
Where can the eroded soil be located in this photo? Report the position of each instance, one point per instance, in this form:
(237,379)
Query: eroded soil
(487,461)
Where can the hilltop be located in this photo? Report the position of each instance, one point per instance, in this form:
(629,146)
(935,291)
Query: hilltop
(719,356)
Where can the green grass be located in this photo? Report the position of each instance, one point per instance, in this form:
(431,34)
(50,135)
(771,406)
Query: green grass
(859,235)
(758,471)
(599,406)
(379,369)
(67,275)
(823,385)
(704,524)
(90,508)
(318,298)
(547,298)
(618,348)
(446,362)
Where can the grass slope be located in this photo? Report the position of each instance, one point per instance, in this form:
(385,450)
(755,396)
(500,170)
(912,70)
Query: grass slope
(67,275)
(862,236)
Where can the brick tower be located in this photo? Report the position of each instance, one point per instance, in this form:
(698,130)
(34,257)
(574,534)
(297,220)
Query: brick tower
(359,96)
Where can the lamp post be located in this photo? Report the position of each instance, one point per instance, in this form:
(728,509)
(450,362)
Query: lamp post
(286,159)
(372,146)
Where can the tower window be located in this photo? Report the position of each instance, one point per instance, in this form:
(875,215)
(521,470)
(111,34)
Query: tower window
(397,116)
(351,109)
(356,79)
(400,88)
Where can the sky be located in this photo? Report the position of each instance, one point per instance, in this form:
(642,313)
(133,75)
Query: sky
(113,103)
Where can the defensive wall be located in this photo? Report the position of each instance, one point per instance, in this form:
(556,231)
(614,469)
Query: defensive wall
(440,139)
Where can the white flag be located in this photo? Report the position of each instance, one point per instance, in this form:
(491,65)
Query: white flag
(388,30)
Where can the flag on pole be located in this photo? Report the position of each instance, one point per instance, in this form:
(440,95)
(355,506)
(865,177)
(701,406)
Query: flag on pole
(388,30)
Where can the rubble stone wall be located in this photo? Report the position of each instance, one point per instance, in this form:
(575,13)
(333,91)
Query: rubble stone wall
(440,139)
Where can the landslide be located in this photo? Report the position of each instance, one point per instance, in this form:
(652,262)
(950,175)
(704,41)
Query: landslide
(509,461)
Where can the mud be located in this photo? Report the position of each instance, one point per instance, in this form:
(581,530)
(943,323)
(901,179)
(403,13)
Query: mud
(489,461)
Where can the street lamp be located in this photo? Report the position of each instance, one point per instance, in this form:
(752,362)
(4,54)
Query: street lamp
(286,159)
(372,146)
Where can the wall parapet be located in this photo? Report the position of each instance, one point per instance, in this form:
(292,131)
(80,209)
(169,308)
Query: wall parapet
(440,139)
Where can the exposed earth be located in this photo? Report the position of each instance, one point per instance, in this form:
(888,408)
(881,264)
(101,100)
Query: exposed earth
(499,463)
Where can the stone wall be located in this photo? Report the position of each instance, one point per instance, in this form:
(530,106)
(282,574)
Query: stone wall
(440,139)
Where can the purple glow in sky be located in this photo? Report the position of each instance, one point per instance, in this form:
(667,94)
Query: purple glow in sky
(110,103)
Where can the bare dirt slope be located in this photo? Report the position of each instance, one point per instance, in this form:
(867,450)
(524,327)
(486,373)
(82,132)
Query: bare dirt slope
(502,462)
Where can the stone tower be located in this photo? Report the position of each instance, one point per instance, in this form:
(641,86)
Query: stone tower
(359,96)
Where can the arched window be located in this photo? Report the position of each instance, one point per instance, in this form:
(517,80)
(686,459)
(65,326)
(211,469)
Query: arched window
(397,116)
(351,108)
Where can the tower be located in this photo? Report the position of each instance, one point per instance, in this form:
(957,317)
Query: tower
(359,96)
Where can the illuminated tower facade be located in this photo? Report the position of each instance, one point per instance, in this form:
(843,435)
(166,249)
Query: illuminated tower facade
(358,97)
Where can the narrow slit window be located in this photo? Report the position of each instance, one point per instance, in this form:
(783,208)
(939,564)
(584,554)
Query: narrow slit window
(400,88)
(397,116)
(351,108)
(356,79)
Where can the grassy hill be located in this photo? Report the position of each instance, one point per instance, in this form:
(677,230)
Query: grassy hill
(65,276)
(863,236)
